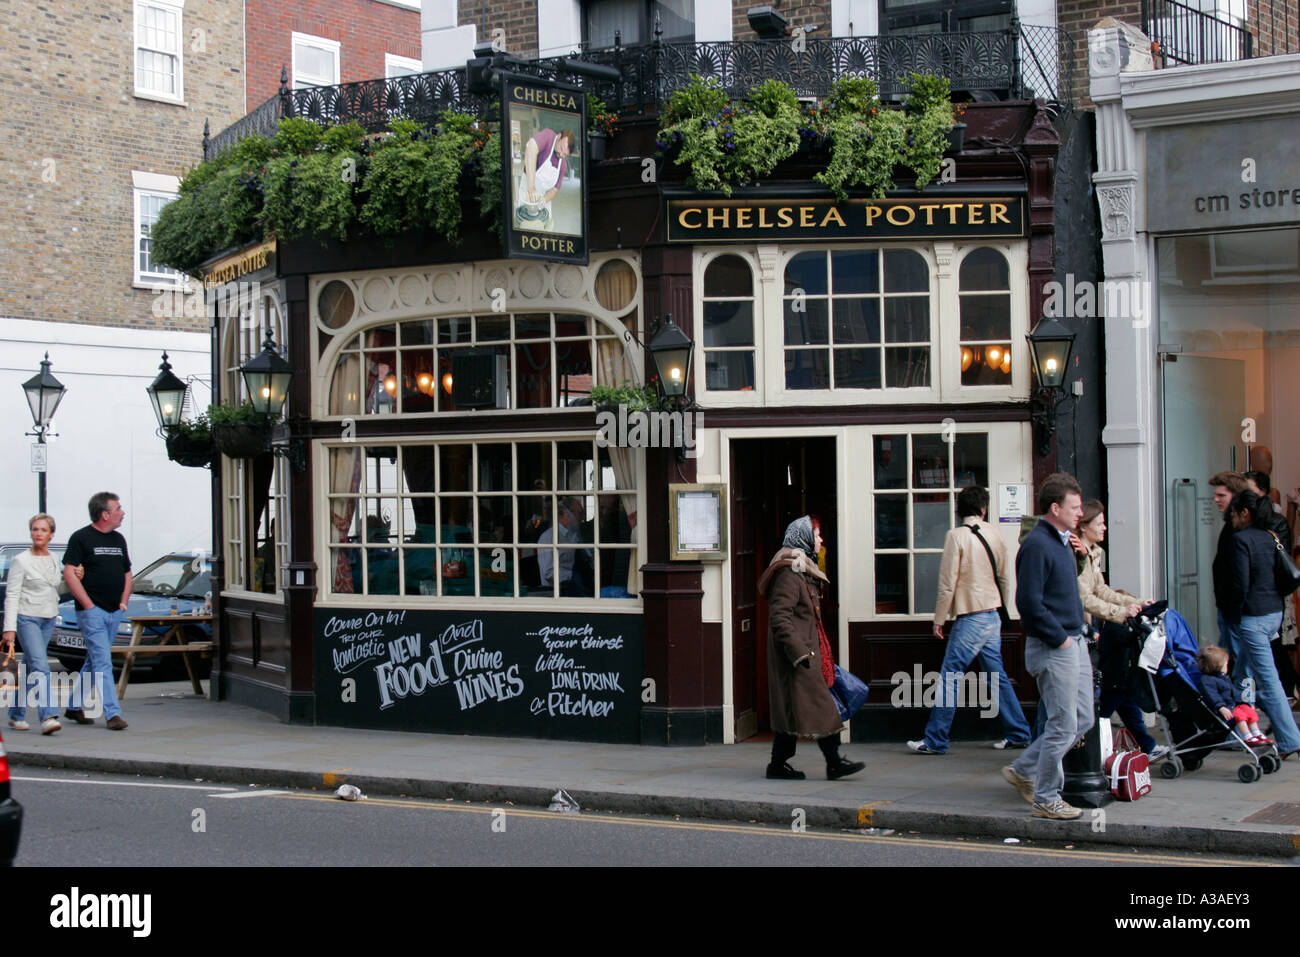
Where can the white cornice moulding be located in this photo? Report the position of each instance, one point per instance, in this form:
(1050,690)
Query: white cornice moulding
(1267,86)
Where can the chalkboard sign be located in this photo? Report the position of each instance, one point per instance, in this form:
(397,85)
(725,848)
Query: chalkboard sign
(529,674)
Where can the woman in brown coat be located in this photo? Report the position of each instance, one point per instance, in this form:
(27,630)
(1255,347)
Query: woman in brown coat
(800,669)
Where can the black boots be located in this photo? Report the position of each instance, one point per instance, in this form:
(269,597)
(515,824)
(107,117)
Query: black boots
(783,772)
(840,767)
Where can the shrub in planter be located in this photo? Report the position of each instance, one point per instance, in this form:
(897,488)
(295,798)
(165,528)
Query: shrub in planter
(414,177)
(311,183)
(607,398)
(190,443)
(239,431)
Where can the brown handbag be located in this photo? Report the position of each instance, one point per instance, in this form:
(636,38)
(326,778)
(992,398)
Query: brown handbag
(8,672)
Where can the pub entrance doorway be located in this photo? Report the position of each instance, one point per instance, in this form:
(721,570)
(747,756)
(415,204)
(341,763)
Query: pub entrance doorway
(773,482)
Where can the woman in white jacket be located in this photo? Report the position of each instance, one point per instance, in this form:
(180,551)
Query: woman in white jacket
(31,605)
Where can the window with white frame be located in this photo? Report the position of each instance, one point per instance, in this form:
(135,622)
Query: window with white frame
(985,294)
(857,319)
(152,191)
(315,61)
(395,65)
(544,519)
(728,313)
(930,322)
(916,477)
(158,49)
(256,513)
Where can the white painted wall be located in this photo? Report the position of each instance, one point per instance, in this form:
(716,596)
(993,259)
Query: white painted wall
(107,439)
(855,18)
(559,27)
(713,21)
(444,44)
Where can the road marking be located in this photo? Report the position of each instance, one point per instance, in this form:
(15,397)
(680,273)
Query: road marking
(248,794)
(130,784)
(780,831)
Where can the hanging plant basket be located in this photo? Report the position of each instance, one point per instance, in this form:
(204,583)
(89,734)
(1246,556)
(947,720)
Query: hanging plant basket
(189,450)
(242,441)
(597,143)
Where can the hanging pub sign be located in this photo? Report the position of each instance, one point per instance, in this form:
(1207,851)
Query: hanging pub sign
(938,216)
(543,161)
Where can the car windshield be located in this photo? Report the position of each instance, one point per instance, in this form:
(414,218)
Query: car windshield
(184,575)
(9,552)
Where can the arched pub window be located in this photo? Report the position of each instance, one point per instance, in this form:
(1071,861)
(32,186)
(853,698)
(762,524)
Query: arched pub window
(985,294)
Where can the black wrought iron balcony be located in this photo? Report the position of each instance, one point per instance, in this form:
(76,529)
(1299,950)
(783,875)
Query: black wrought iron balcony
(1187,36)
(1025,62)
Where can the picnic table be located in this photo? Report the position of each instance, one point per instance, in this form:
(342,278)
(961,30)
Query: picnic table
(173,642)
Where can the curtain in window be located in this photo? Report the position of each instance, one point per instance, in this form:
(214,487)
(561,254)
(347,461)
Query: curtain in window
(346,466)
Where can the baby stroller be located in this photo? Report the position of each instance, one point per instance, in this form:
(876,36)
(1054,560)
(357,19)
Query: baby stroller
(1166,658)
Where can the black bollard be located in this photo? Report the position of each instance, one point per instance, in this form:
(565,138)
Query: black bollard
(1085,782)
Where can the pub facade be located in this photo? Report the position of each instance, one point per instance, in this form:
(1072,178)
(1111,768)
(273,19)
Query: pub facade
(446,534)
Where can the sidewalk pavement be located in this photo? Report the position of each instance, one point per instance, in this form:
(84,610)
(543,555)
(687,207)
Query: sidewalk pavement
(175,733)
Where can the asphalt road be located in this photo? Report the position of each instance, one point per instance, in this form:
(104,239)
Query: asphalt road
(82,819)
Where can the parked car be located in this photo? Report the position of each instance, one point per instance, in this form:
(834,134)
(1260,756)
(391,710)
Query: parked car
(7,553)
(11,813)
(180,582)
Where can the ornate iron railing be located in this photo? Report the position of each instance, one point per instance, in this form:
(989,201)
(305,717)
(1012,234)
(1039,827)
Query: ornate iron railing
(1023,62)
(1187,36)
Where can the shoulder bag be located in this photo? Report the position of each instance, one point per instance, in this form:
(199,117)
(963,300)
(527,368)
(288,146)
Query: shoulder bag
(1286,577)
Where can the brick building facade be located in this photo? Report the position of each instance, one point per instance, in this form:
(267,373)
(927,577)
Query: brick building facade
(364,30)
(77,130)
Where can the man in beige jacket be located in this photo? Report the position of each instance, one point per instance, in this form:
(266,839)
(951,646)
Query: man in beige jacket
(972,584)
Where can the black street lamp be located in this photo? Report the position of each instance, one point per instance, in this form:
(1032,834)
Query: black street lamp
(167,396)
(1050,344)
(266,377)
(671,351)
(44,393)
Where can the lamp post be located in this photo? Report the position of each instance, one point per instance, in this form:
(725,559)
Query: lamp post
(1049,347)
(44,393)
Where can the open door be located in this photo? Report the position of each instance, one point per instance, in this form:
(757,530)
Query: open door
(773,482)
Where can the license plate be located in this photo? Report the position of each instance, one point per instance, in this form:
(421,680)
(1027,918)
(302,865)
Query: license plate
(69,641)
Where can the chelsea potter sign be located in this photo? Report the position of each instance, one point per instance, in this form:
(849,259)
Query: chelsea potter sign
(794,220)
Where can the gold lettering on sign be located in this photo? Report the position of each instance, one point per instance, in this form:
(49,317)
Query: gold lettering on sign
(953,210)
(742,218)
(783,217)
(241,264)
(975,214)
(762,218)
(929,212)
(832,213)
(806,216)
(911,215)
(681,217)
(873,213)
(720,217)
(544,97)
(998,213)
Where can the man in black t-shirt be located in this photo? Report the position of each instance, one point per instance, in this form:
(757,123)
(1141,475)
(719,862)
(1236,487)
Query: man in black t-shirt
(101,594)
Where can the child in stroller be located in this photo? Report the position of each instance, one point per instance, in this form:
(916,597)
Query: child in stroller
(1217,687)
(1192,727)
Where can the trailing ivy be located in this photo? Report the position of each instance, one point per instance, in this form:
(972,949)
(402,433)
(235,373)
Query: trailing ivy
(724,145)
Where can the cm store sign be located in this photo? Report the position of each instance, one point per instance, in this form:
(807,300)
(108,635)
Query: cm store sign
(527,674)
(939,216)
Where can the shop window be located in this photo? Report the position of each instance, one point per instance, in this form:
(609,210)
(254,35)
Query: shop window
(985,293)
(534,520)
(315,61)
(158,50)
(464,363)
(857,319)
(148,204)
(917,477)
(728,325)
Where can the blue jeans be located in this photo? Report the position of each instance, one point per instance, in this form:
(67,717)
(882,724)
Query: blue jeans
(1064,677)
(98,629)
(34,637)
(975,635)
(1252,656)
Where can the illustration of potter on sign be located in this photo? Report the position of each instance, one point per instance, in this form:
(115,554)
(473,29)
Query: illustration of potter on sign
(547,181)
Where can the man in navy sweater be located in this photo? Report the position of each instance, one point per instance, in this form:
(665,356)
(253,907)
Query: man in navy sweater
(1047,596)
